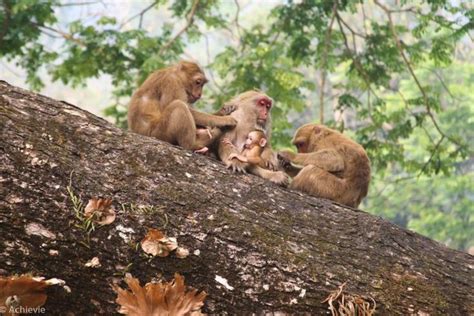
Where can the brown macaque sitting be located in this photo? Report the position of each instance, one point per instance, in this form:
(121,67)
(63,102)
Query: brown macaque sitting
(161,107)
(251,109)
(253,148)
(328,165)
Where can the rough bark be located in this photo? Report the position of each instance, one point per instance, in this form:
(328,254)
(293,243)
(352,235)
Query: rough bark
(280,250)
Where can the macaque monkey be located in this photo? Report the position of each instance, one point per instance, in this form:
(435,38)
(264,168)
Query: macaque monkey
(251,110)
(161,107)
(253,148)
(328,165)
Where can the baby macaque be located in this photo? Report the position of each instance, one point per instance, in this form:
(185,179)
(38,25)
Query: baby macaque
(252,150)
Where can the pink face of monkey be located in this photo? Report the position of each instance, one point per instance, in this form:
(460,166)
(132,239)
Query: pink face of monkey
(263,105)
(255,138)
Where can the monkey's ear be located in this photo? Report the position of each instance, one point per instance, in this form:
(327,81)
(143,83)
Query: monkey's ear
(262,142)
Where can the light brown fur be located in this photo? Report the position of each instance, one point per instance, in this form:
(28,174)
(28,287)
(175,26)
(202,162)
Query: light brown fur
(253,148)
(333,166)
(250,115)
(161,107)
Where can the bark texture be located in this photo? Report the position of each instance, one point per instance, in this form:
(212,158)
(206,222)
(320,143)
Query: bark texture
(279,250)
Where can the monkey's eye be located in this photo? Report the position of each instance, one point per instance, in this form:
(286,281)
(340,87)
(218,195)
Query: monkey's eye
(265,102)
(299,145)
(198,82)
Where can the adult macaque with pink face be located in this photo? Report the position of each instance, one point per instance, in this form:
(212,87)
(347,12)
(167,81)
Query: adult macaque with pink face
(251,110)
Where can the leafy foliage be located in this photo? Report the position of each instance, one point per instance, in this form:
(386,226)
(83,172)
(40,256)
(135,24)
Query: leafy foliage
(396,78)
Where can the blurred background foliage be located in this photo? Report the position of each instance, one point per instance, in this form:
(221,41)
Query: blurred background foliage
(397,76)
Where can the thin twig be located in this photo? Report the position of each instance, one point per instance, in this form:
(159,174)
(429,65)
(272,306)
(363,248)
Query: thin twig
(356,63)
(76,4)
(441,80)
(140,15)
(6,21)
(324,62)
(64,35)
(350,29)
(236,19)
(412,72)
(431,156)
(211,73)
(190,20)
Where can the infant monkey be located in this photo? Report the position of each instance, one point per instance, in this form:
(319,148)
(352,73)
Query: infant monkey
(253,148)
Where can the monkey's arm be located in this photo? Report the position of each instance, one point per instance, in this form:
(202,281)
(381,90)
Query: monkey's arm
(239,157)
(205,119)
(254,160)
(327,159)
(278,177)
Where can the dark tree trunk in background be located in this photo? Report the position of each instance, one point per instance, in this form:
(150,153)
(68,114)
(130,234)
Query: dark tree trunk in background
(279,250)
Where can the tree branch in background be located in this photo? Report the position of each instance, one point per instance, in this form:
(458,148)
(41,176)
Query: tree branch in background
(190,20)
(412,73)
(140,15)
(236,19)
(6,22)
(62,34)
(356,62)
(324,61)
(72,4)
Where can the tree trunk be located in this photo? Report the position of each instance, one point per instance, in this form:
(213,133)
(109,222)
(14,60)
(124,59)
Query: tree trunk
(279,250)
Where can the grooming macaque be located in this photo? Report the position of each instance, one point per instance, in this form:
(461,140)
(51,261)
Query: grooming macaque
(161,107)
(253,148)
(328,165)
(251,110)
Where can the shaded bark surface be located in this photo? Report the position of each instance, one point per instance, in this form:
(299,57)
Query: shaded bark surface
(280,250)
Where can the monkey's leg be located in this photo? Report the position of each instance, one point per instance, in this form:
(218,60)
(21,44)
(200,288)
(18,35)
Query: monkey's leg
(320,183)
(278,177)
(207,137)
(177,126)
(269,158)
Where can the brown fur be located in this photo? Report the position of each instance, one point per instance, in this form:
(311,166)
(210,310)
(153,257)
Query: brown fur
(161,107)
(245,109)
(253,148)
(333,166)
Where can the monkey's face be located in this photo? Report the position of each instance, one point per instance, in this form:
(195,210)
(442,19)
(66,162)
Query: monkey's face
(263,107)
(303,137)
(308,136)
(195,86)
(255,139)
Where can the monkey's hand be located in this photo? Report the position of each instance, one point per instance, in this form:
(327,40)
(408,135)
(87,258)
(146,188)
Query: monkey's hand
(226,109)
(235,165)
(280,178)
(228,143)
(284,158)
(270,162)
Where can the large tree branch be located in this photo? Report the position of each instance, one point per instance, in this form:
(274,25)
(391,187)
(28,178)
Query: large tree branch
(278,250)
